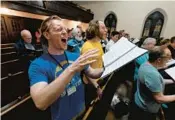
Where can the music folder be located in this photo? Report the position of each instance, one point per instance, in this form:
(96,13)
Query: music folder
(171,72)
(121,53)
(170,62)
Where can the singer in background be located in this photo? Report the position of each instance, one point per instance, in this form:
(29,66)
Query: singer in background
(75,44)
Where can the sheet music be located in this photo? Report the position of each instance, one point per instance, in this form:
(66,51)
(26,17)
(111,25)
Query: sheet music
(117,50)
(171,72)
(135,41)
(120,56)
(170,62)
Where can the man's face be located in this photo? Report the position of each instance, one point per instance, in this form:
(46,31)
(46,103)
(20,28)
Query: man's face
(27,38)
(103,30)
(115,38)
(173,44)
(78,35)
(165,58)
(57,35)
(151,45)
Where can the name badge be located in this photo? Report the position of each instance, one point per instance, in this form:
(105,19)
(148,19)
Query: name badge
(71,90)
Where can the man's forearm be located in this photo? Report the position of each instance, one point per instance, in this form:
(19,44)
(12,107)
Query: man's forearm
(95,73)
(167,99)
(161,98)
(47,95)
(168,81)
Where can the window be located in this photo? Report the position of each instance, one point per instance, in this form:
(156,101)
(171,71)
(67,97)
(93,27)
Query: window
(153,25)
(110,22)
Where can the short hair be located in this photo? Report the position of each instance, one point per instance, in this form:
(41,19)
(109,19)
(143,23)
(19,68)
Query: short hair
(47,22)
(172,39)
(155,53)
(24,32)
(93,30)
(114,33)
(165,41)
(45,26)
(148,41)
(75,31)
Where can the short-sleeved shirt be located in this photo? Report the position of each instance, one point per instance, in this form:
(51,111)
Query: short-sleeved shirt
(46,69)
(149,81)
(109,44)
(89,45)
(76,45)
(138,62)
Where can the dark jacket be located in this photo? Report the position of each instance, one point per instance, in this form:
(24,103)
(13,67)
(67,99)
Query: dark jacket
(21,49)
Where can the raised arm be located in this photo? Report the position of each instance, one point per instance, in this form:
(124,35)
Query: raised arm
(45,94)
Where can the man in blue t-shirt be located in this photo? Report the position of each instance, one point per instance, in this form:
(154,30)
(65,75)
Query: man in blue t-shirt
(150,87)
(55,76)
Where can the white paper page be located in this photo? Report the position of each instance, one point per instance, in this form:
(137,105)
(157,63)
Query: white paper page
(135,41)
(133,54)
(171,72)
(170,62)
(117,50)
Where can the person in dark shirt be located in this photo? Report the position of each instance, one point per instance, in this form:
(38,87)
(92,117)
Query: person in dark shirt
(172,47)
(24,45)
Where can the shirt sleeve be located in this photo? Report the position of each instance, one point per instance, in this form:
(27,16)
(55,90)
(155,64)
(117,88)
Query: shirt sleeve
(36,74)
(153,82)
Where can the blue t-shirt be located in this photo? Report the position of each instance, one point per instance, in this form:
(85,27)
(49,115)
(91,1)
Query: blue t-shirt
(46,69)
(149,81)
(138,62)
(77,45)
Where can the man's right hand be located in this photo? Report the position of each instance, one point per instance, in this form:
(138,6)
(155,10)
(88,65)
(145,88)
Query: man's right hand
(83,60)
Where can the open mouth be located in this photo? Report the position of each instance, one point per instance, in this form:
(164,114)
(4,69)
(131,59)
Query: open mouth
(64,40)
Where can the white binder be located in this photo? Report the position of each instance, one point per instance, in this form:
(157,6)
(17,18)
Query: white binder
(171,72)
(121,53)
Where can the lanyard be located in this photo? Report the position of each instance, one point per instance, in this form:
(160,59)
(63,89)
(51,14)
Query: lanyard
(57,61)
(53,58)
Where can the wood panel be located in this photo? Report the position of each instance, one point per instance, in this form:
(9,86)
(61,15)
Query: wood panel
(63,9)
(4,33)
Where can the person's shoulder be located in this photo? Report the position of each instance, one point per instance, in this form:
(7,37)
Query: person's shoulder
(145,65)
(87,44)
(142,58)
(41,61)
(71,42)
(148,69)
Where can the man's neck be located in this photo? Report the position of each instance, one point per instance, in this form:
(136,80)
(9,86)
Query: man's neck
(55,51)
(96,39)
(155,65)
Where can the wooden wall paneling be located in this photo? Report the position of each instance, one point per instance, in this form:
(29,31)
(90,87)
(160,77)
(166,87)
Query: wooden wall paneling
(63,9)
(37,3)
(4,32)
(14,27)
(32,25)
(6,92)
